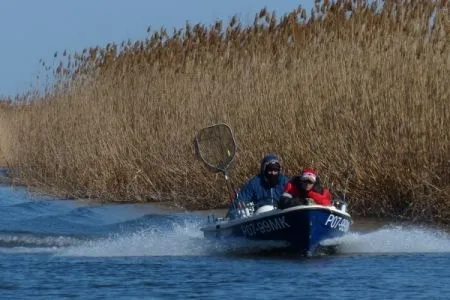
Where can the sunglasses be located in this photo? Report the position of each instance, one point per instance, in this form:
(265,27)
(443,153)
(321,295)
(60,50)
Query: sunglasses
(273,172)
(273,168)
(308,182)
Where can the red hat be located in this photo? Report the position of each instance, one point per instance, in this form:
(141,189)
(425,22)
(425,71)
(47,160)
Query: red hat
(308,174)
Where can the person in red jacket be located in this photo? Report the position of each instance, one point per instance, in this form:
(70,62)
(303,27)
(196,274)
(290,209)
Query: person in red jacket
(305,189)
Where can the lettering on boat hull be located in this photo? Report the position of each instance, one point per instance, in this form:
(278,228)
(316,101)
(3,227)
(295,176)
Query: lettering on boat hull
(265,226)
(337,222)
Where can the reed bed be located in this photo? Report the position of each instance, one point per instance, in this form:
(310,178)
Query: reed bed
(358,92)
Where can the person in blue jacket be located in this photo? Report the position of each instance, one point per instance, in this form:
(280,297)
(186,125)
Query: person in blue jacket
(266,187)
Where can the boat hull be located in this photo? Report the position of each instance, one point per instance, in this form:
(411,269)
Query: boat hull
(302,227)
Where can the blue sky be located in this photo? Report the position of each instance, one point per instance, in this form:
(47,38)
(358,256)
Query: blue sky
(31,30)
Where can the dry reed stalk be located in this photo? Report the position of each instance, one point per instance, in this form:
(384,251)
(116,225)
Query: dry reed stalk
(365,99)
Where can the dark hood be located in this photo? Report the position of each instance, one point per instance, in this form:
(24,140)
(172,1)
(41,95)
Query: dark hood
(267,160)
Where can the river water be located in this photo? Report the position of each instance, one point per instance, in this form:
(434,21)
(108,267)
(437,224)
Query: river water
(64,249)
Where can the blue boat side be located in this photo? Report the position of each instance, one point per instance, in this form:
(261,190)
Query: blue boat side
(303,227)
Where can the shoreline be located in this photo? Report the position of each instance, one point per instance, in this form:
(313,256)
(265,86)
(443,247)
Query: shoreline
(170,206)
(4,179)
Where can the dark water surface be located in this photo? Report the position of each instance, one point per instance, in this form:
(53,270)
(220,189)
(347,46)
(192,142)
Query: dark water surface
(79,250)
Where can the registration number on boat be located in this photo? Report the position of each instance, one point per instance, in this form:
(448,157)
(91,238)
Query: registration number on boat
(264,226)
(337,222)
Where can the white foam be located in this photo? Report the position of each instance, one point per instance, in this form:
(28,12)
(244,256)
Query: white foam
(36,241)
(26,250)
(183,240)
(396,239)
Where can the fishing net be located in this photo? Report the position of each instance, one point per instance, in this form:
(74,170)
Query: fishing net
(216,147)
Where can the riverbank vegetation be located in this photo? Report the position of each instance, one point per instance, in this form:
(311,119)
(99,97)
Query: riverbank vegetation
(359,92)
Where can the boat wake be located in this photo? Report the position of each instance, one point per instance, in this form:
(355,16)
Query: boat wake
(180,235)
(183,239)
(394,239)
(28,242)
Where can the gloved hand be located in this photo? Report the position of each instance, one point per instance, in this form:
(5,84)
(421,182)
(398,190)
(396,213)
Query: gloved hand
(286,202)
(309,201)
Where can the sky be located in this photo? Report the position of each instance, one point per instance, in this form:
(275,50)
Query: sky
(32,30)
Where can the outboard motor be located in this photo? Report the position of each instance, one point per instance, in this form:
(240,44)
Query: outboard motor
(241,210)
(245,209)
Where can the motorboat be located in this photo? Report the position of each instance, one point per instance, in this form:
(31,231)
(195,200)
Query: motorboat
(305,229)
